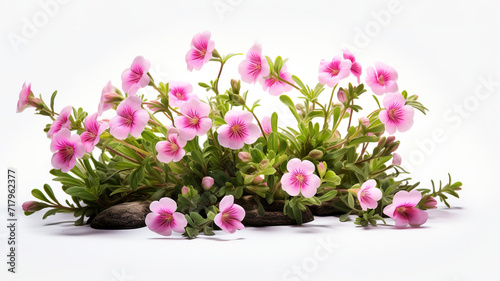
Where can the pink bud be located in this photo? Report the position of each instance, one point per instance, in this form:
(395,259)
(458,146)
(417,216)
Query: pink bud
(258,179)
(207,182)
(365,121)
(184,190)
(244,156)
(31,206)
(396,159)
(341,95)
(390,139)
(321,169)
(428,202)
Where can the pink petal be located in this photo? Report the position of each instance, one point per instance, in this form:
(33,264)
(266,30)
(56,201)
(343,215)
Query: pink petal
(141,118)
(401,221)
(393,75)
(156,223)
(118,127)
(389,210)
(307,167)
(407,198)
(235,116)
(180,222)
(310,189)
(238,212)
(205,125)
(130,104)
(288,185)
(253,133)
(226,203)
(394,100)
(56,143)
(417,217)
(225,140)
(165,204)
(407,121)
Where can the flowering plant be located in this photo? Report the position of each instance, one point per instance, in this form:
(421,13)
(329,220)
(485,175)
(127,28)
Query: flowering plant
(195,157)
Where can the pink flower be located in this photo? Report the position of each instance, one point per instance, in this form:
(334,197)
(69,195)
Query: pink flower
(396,115)
(300,178)
(365,121)
(266,125)
(66,148)
(230,216)
(61,122)
(369,195)
(136,76)
(331,72)
(396,159)
(180,92)
(94,129)
(255,66)
(24,98)
(207,182)
(356,69)
(341,95)
(382,79)
(164,217)
(109,97)
(200,52)
(403,209)
(171,149)
(238,130)
(130,118)
(275,86)
(195,120)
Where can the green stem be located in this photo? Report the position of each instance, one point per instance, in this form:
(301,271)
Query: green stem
(258,122)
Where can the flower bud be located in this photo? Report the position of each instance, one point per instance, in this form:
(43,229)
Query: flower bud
(32,206)
(365,121)
(390,140)
(428,202)
(264,163)
(184,190)
(341,96)
(315,154)
(258,179)
(244,156)
(396,159)
(207,182)
(322,169)
(235,86)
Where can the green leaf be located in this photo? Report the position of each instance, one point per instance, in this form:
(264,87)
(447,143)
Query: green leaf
(297,80)
(50,213)
(125,165)
(328,196)
(149,136)
(50,192)
(197,218)
(52,100)
(274,122)
(136,177)
(39,195)
(81,192)
(363,140)
(288,102)
(350,200)
(345,217)
(268,171)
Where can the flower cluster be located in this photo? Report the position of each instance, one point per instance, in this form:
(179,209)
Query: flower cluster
(150,149)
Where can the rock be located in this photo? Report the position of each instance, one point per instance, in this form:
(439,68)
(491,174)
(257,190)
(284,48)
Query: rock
(273,213)
(327,208)
(122,216)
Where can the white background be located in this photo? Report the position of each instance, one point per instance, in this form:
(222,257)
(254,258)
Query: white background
(443,51)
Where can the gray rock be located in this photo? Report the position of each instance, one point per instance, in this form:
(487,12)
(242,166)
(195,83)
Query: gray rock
(273,213)
(122,216)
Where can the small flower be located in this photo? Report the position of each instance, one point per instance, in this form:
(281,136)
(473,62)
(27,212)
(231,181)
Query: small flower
(244,156)
(109,97)
(300,178)
(275,86)
(184,190)
(94,129)
(200,52)
(369,195)
(364,121)
(207,182)
(25,97)
(382,78)
(266,125)
(136,76)
(195,120)
(331,72)
(427,202)
(255,66)
(61,122)
(403,209)
(164,217)
(396,159)
(238,130)
(341,95)
(180,92)
(130,119)
(171,149)
(66,148)
(396,115)
(356,69)
(230,216)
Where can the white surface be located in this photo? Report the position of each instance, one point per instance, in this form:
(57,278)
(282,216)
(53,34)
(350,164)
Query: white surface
(441,50)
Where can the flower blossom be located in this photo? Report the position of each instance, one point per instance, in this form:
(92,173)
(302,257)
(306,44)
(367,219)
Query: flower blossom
(26,98)
(276,86)
(179,93)
(109,97)
(396,115)
(66,148)
(130,118)
(194,121)
(403,209)
(171,149)
(369,195)
(356,69)
(200,52)
(136,76)
(230,216)
(255,66)
(238,130)
(61,122)
(164,219)
(382,78)
(300,178)
(331,72)
(94,129)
